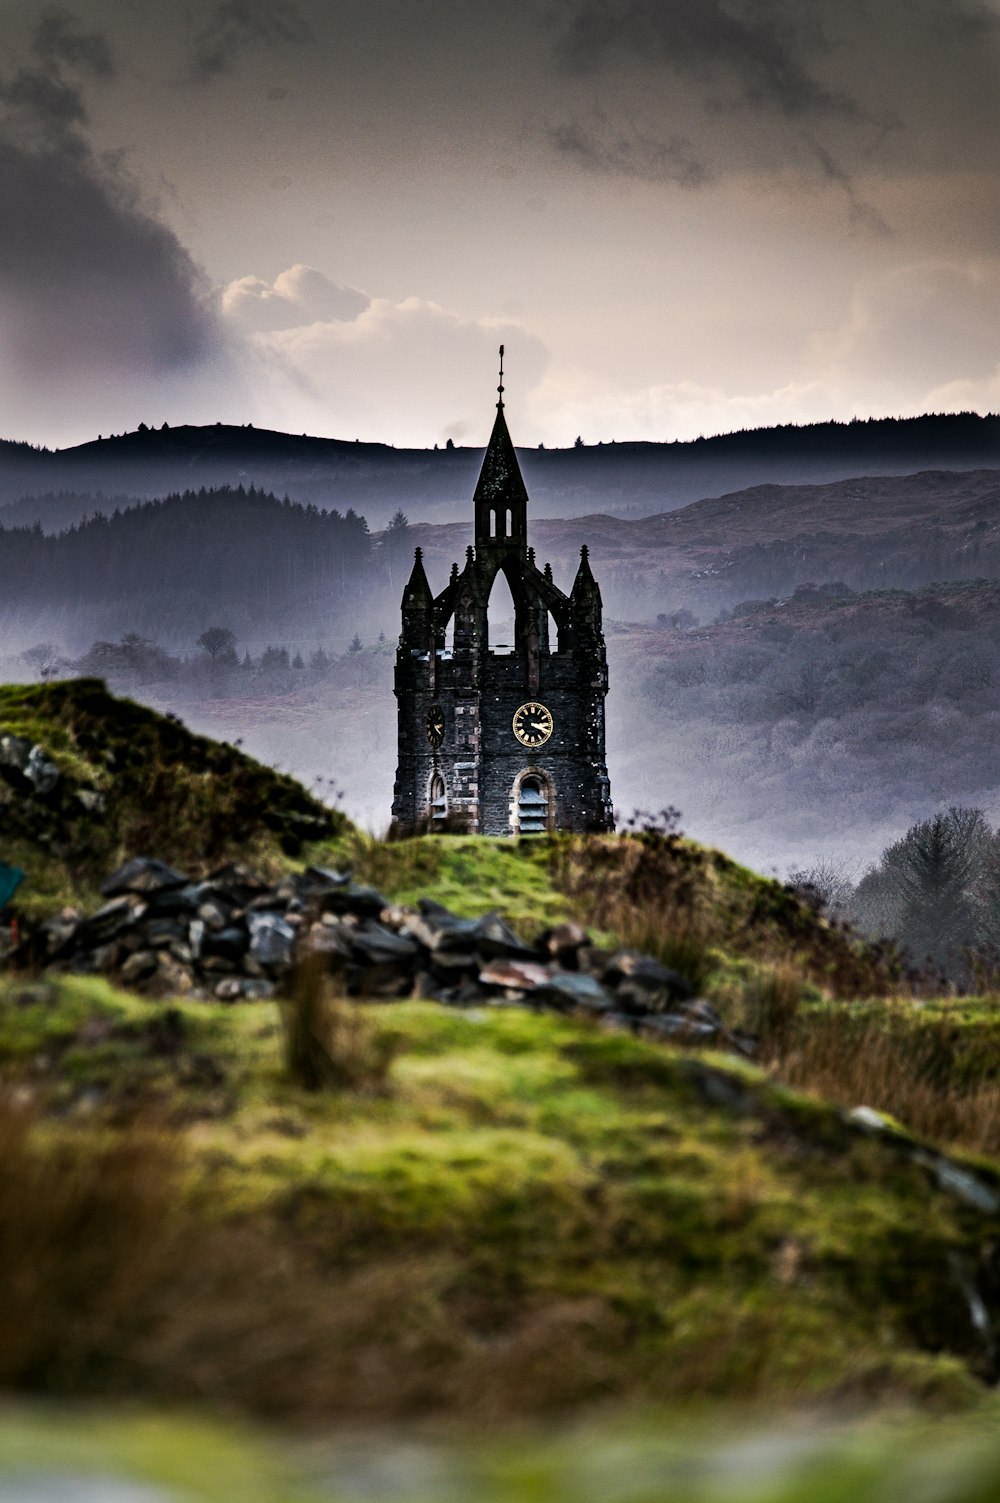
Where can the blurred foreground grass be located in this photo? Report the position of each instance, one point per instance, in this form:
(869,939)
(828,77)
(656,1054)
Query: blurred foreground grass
(103,1456)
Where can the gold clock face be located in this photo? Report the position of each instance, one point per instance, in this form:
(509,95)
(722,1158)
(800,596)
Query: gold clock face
(434,725)
(533,724)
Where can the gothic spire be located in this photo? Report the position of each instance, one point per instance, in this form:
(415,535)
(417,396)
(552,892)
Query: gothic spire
(417,595)
(584,583)
(500,482)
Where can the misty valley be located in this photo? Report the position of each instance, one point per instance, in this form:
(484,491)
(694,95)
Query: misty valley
(806,671)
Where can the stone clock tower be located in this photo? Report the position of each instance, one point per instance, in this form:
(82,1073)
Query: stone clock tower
(501,739)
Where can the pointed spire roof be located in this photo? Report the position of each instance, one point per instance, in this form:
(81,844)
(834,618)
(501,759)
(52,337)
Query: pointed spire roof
(500,477)
(417,594)
(584,583)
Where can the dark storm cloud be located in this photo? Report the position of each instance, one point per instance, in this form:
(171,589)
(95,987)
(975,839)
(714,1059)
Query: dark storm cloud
(837,88)
(629,151)
(236,25)
(90,280)
(57,40)
(758,54)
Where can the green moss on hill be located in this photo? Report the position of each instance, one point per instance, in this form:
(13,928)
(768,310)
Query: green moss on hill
(534,1214)
(136,782)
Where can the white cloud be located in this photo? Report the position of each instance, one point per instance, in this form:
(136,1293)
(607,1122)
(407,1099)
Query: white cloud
(916,328)
(571,402)
(411,369)
(301,295)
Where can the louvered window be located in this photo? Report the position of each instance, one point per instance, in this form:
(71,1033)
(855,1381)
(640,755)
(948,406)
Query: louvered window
(439,800)
(532,807)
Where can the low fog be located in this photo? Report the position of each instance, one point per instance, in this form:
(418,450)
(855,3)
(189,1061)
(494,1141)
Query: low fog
(794,713)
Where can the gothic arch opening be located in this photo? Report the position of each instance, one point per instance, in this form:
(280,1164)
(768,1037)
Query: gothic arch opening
(493,522)
(500,616)
(533,803)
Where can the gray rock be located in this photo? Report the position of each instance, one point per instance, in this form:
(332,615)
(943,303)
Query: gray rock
(961,1183)
(677,1025)
(142,874)
(14,752)
(138,967)
(643,974)
(567,989)
(241,988)
(228,944)
(365,902)
(213,913)
(323,879)
(329,937)
(162,932)
(41,771)
(196,933)
(564,943)
(497,940)
(438,930)
(376,944)
(515,975)
(271,940)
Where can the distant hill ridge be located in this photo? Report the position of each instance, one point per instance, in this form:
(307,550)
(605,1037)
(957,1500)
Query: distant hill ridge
(433,483)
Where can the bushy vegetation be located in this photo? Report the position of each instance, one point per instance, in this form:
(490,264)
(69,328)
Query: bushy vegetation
(935,891)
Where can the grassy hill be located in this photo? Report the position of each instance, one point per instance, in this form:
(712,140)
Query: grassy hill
(129,781)
(501,1218)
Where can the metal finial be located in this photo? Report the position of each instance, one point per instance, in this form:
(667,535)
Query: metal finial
(531,555)
(418,555)
(500,387)
(454,572)
(584,553)
(470,554)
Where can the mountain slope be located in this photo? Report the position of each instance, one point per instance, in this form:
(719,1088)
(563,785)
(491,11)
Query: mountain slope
(614,477)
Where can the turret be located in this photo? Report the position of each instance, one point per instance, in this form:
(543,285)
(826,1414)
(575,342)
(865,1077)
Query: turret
(418,602)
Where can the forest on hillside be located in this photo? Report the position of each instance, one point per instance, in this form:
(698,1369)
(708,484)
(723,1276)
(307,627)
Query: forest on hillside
(173,567)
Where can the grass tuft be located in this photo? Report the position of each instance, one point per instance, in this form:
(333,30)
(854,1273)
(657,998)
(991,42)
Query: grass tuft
(329,1043)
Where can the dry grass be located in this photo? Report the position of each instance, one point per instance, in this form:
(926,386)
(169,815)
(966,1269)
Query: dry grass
(772,998)
(660,893)
(85,1230)
(903,1070)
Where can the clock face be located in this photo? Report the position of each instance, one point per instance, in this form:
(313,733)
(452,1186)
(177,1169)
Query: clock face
(434,725)
(533,724)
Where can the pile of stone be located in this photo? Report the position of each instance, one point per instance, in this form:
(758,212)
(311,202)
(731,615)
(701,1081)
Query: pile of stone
(233,936)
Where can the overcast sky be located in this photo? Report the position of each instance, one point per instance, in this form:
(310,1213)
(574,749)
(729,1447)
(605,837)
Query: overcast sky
(681,216)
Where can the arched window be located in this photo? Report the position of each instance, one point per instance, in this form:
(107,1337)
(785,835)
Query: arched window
(532,806)
(509,532)
(438,800)
(493,523)
(501,616)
